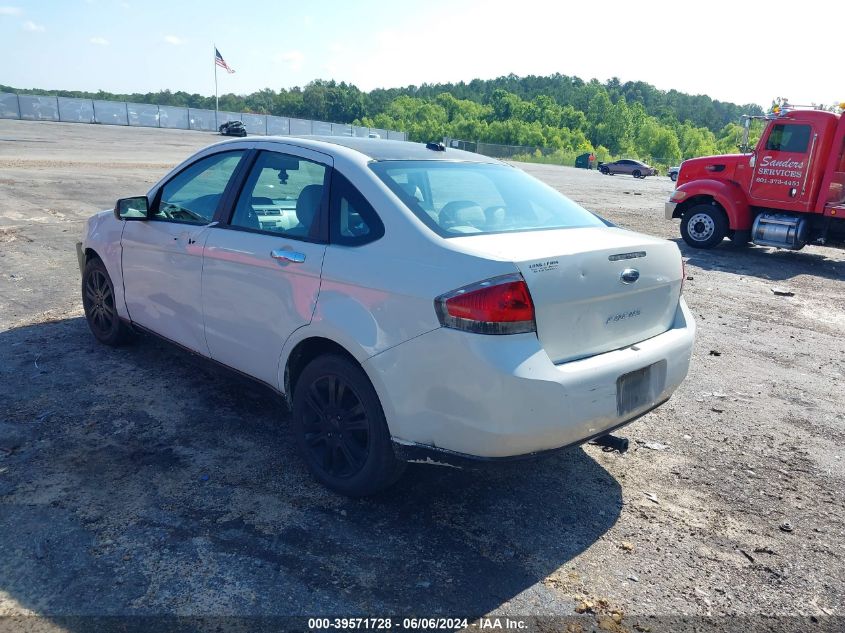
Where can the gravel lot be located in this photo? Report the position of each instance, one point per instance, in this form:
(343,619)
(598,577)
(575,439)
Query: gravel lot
(138,481)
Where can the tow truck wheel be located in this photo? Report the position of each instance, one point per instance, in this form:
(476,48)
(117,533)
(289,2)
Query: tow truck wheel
(739,239)
(704,226)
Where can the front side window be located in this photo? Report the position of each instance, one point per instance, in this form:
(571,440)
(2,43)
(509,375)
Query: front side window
(789,138)
(474,198)
(192,196)
(283,194)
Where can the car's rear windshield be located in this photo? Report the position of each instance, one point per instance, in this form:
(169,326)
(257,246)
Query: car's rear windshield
(458,198)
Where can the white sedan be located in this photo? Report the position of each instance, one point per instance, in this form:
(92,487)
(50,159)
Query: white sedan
(412,303)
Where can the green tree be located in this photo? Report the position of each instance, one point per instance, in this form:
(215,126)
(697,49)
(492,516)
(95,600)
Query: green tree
(610,123)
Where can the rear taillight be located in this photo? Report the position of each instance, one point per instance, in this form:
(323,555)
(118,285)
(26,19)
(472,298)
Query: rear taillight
(501,305)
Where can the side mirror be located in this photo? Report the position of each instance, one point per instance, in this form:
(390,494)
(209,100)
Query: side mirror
(136,208)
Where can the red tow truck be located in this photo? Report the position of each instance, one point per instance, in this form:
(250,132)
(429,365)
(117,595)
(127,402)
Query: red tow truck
(788,192)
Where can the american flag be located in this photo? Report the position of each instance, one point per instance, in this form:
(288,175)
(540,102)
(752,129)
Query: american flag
(218,59)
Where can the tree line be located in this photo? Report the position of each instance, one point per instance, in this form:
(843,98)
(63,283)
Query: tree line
(565,115)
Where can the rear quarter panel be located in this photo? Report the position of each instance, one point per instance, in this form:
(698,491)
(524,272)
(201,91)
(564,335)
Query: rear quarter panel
(376,296)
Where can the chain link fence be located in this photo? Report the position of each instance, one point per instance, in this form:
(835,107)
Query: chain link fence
(535,154)
(67,109)
(497,150)
(525,153)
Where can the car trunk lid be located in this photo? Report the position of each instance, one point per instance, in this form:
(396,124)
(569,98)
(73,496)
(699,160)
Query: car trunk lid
(594,289)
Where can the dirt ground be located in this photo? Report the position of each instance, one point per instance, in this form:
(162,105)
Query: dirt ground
(137,481)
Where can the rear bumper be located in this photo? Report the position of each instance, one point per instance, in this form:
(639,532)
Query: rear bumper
(669,210)
(501,396)
(432,455)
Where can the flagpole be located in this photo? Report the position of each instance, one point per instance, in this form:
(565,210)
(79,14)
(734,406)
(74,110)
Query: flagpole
(216,98)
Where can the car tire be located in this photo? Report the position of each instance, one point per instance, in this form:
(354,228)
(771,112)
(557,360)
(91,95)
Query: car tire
(340,428)
(637,173)
(604,170)
(674,176)
(98,301)
(704,226)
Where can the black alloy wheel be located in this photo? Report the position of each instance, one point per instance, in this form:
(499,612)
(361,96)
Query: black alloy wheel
(340,428)
(337,431)
(98,301)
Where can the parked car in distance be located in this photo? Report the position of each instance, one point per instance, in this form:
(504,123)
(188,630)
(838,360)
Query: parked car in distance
(233,128)
(673,173)
(411,302)
(635,168)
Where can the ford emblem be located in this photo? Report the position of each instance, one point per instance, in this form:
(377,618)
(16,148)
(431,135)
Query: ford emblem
(629,275)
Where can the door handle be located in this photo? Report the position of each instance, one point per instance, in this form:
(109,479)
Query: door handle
(288,256)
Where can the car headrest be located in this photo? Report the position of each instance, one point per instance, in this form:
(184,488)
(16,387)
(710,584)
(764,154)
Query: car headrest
(462,213)
(412,190)
(308,203)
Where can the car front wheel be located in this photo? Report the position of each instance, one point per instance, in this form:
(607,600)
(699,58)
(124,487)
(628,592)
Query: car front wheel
(98,301)
(637,174)
(340,428)
(704,226)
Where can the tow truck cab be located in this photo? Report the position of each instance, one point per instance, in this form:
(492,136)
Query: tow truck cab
(788,192)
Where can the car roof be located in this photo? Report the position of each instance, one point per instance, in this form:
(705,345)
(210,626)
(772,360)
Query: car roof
(384,149)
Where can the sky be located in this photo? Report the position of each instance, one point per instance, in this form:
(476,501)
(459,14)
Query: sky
(740,51)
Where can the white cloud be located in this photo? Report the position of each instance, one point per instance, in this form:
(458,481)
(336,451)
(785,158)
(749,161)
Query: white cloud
(32,27)
(10,10)
(292,59)
(172,39)
(99,41)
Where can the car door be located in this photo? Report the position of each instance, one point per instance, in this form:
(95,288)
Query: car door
(262,265)
(782,164)
(162,256)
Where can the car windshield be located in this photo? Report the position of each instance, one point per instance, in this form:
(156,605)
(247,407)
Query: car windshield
(455,198)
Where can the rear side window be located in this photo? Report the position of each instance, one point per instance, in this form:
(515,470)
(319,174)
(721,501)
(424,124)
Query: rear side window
(455,198)
(192,195)
(353,221)
(789,138)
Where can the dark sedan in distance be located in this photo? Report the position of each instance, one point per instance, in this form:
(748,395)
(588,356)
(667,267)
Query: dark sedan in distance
(635,168)
(233,128)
